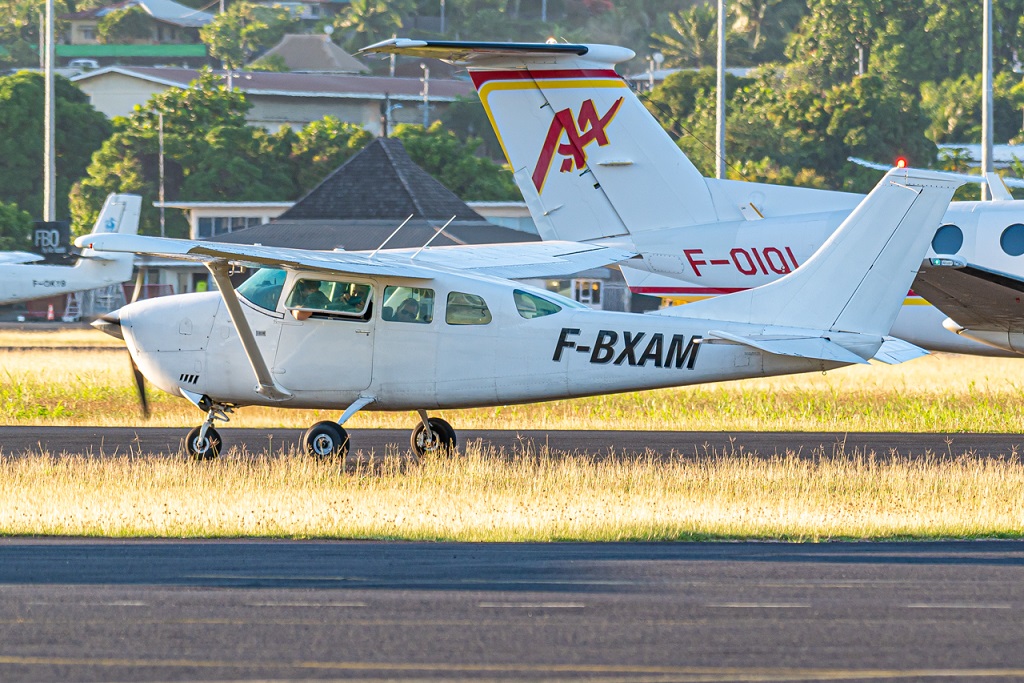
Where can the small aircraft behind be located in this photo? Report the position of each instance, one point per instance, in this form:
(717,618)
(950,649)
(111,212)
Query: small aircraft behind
(441,328)
(22,280)
(595,166)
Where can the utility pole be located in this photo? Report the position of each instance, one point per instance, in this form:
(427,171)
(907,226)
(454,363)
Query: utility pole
(720,96)
(426,95)
(986,99)
(160,136)
(442,19)
(49,155)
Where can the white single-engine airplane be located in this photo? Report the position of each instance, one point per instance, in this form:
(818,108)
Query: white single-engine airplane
(595,166)
(22,280)
(440,328)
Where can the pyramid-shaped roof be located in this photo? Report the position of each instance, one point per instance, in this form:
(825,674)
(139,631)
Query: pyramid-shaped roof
(314,52)
(381,182)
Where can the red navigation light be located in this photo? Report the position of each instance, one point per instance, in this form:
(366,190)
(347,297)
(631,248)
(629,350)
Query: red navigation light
(901,162)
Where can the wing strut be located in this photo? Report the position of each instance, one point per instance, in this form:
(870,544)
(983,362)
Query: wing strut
(266,386)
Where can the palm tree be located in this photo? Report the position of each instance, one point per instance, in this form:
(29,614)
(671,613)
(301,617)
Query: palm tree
(368,21)
(694,39)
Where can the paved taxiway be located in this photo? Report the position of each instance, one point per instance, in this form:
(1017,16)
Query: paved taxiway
(119,440)
(240,610)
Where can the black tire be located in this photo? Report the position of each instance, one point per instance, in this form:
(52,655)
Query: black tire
(326,440)
(208,450)
(441,441)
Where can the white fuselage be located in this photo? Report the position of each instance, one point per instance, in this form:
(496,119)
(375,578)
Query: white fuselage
(187,342)
(23,282)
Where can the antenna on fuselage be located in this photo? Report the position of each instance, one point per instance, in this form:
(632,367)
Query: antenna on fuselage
(432,238)
(391,235)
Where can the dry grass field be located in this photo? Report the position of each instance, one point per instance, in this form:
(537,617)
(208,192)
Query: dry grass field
(542,496)
(483,496)
(940,393)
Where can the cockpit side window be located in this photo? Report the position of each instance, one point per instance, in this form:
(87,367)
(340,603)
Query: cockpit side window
(532,306)
(466,309)
(408,305)
(330,299)
(263,288)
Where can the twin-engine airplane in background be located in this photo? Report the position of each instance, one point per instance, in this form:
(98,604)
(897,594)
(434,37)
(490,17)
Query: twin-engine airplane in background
(440,328)
(23,280)
(595,166)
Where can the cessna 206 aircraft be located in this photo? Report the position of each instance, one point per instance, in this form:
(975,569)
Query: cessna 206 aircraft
(22,280)
(440,328)
(595,166)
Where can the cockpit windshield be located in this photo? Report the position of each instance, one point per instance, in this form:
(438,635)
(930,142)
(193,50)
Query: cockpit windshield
(263,288)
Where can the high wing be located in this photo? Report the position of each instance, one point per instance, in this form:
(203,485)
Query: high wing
(535,259)
(973,296)
(14,257)
(463,51)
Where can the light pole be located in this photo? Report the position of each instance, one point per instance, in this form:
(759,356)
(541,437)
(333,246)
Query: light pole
(442,17)
(160,138)
(426,95)
(986,99)
(49,154)
(720,96)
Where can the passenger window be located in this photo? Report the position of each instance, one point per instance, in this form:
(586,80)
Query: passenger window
(466,309)
(330,299)
(263,288)
(408,305)
(532,306)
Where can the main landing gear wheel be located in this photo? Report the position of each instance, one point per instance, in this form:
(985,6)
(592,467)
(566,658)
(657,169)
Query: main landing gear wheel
(440,438)
(326,440)
(207,449)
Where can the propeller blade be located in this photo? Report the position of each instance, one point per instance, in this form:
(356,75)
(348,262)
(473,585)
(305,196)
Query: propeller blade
(140,387)
(139,279)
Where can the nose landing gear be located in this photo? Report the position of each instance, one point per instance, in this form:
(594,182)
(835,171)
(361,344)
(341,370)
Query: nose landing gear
(203,442)
(326,440)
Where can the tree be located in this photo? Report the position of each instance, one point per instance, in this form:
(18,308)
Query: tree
(15,228)
(455,165)
(321,146)
(693,40)
(129,160)
(80,131)
(246,29)
(954,108)
(365,22)
(125,25)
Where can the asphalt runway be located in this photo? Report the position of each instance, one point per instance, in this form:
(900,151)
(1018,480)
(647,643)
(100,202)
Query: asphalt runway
(275,611)
(100,441)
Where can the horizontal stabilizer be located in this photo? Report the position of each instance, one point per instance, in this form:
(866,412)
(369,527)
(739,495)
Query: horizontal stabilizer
(817,348)
(895,351)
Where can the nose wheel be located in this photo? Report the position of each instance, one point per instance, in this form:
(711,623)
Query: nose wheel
(431,436)
(203,446)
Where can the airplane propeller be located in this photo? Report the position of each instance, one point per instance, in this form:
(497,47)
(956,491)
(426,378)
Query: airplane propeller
(111,324)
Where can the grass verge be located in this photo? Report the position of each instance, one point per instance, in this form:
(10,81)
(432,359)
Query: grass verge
(489,496)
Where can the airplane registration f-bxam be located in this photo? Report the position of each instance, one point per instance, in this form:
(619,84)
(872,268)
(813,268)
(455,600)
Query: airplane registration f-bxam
(440,328)
(595,166)
(22,281)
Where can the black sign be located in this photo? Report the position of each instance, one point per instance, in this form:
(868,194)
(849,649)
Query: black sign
(51,240)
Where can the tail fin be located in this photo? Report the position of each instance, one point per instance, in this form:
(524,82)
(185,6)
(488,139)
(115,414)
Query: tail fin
(858,279)
(584,149)
(120,214)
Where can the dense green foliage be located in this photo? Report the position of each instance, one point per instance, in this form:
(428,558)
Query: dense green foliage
(80,130)
(15,228)
(245,30)
(125,25)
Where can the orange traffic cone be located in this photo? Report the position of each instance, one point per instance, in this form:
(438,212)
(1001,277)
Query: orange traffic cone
(49,312)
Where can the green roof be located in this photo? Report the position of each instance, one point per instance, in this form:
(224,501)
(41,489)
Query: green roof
(166,51)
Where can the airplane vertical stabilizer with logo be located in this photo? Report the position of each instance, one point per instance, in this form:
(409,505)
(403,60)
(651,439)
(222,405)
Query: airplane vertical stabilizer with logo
(589,158)
(858,279)
(120,214)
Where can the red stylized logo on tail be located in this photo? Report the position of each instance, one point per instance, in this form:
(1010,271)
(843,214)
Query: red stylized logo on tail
(581,131)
